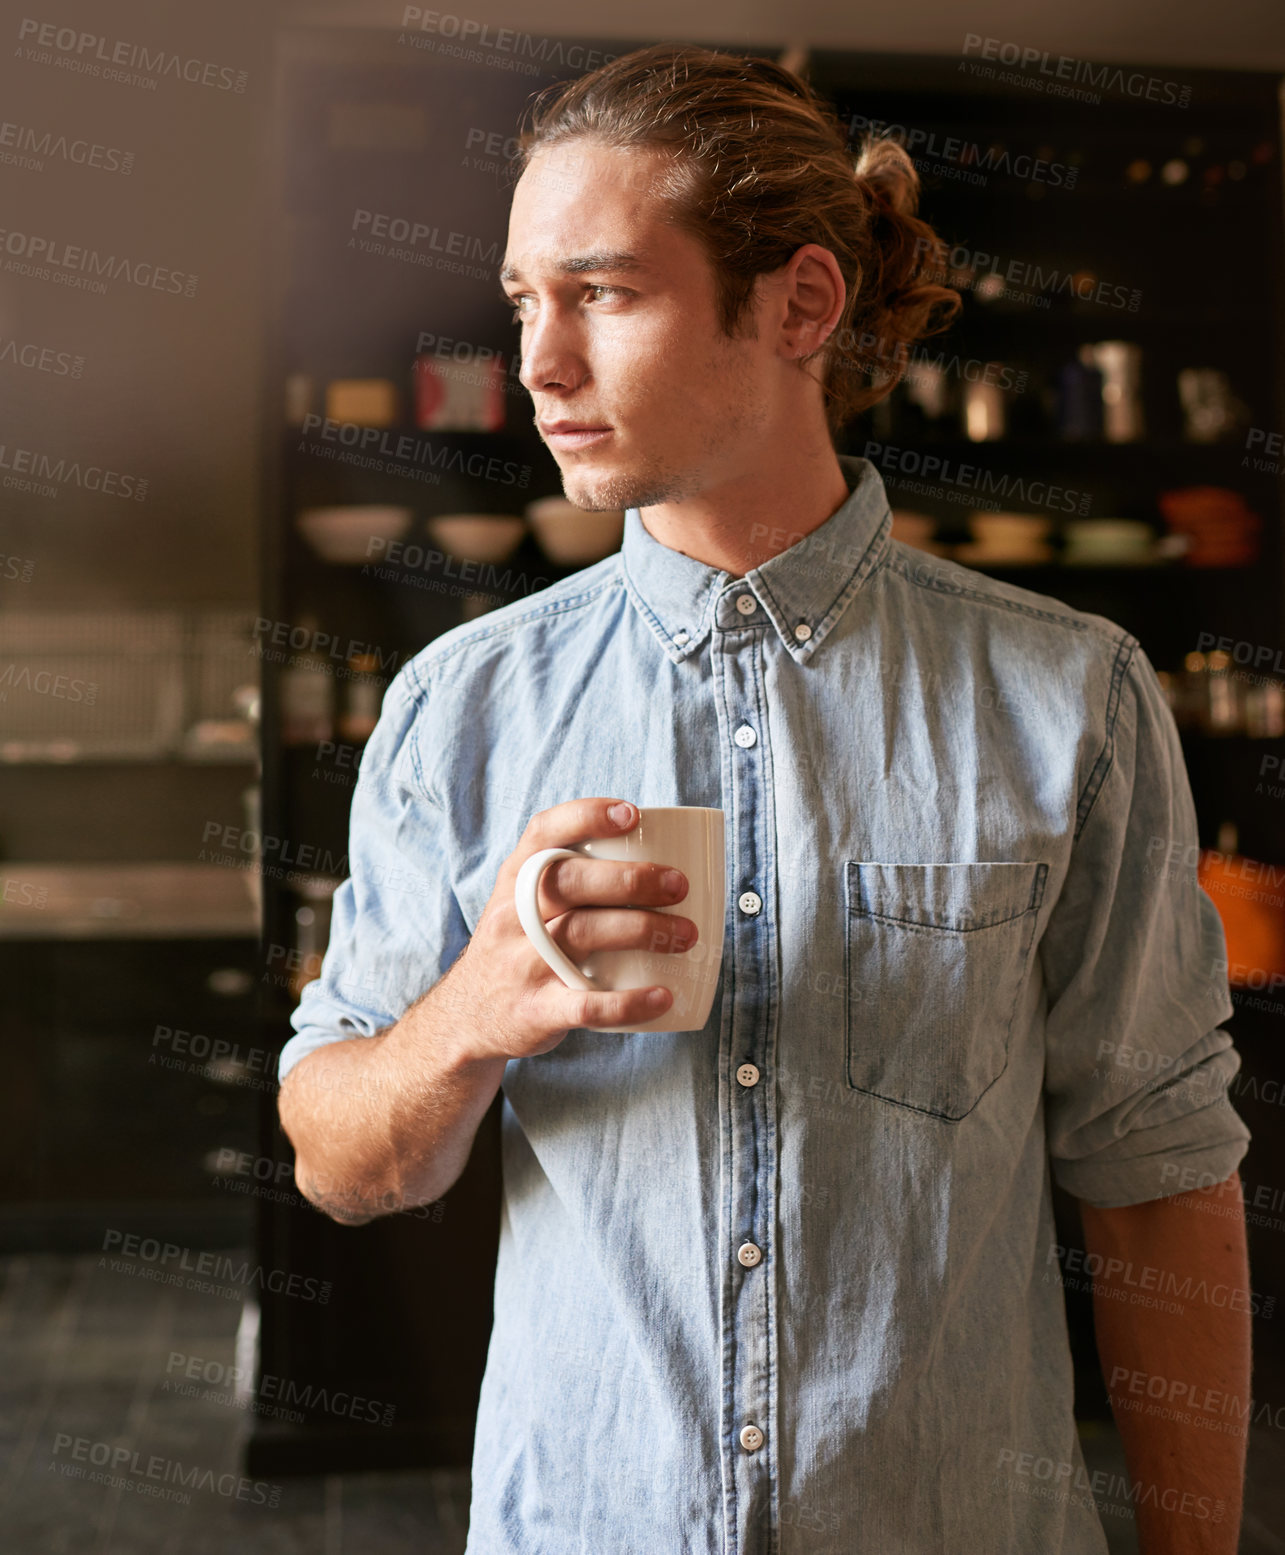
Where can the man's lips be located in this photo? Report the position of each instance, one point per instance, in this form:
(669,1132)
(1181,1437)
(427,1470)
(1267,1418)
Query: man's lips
(573,434)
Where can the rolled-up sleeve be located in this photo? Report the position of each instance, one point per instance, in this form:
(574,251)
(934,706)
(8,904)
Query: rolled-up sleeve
(396,925)
(1134,960)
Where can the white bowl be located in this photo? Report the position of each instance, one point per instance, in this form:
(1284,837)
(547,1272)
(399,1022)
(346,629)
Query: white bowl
(478,537)
(977,554)
(343,534)
(1009,530)
(570,536)
(1109,534)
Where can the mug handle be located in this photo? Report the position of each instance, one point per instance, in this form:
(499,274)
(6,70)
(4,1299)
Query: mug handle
(526,899)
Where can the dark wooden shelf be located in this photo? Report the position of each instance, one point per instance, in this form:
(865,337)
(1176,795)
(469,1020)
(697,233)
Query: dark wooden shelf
(1110,323)
(1097,447)
(1047,571)
(1186,200)
(1233,738)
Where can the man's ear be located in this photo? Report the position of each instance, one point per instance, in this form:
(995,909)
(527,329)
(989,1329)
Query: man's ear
(815,294)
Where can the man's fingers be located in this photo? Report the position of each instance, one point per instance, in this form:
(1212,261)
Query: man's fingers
(608,928)
(622,1007)
(568,883)
(576,820)
(587,882)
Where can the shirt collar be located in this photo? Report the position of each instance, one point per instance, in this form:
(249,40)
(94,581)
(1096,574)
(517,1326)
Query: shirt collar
(802,590)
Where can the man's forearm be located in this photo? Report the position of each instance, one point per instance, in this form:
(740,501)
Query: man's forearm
(1177,1361)
(385,1123)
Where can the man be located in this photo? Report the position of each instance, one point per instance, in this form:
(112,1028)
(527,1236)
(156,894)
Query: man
(788,1283)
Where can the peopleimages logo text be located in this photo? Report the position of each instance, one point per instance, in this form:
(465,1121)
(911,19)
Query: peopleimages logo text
(404,450)
(153,1254)
(126,1464)
(70,472)
(88,47)
(41,359)
(49,254)
(1024,275)
(1065,67)
(30,144)
(926,148)
(971,478)
(504,40)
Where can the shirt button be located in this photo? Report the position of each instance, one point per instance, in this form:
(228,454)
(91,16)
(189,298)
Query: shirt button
(749,1254)
(747,604)
(751,1438)
(750,902)
(745,737)
(748,1074)
(680,637)
(803,631)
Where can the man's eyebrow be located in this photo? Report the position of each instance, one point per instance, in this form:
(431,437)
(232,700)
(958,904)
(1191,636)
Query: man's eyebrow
(586,264)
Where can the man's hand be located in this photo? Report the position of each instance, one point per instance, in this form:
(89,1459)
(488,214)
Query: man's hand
(501,995)
(386,1122)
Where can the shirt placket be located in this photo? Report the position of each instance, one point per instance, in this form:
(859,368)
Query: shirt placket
(747,1090)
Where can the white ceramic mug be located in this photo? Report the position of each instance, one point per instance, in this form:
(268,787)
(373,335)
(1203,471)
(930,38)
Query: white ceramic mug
(686,837)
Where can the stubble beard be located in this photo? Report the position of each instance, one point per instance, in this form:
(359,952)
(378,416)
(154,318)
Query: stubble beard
(652,480)
(648,486)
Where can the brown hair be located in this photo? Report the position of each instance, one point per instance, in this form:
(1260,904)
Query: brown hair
(759,166)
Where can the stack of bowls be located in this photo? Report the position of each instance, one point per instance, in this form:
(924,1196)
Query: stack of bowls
(1007,540)
(1108,542)
(344,533)
(571,537)
(478,537)
(916,529)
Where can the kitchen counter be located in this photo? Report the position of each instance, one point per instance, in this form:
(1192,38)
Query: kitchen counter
(126,901)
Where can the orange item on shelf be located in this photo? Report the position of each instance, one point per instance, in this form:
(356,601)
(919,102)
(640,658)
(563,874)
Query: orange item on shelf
(1250,898)
(1221,528)
(366,402)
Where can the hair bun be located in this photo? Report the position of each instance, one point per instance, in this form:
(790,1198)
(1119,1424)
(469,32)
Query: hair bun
(884,166)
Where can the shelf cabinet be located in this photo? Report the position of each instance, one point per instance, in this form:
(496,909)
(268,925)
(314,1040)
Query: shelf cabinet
(153,1064)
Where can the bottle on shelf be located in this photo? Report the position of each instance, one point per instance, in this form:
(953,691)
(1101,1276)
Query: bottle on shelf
(1120,364)
(311,931)
(300,398)
(1210,695)
(1079,401)
(361,699)
(1210,698)
(1265,710)
(307,694)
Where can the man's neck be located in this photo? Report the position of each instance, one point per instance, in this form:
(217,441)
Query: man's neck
(744,522)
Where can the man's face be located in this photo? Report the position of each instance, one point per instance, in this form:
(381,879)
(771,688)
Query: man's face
(620,333)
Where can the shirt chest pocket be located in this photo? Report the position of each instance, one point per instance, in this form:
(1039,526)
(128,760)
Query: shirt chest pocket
(935,956)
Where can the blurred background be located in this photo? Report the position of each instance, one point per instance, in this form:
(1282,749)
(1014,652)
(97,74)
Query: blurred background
(263,439)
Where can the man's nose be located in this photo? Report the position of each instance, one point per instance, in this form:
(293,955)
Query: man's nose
(549,359)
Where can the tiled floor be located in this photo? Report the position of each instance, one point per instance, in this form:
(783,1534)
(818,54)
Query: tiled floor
(86,1372)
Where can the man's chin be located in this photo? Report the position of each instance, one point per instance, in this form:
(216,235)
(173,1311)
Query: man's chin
(613,490)
(596,492)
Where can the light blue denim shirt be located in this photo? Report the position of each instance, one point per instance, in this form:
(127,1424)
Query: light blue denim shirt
(789,1284)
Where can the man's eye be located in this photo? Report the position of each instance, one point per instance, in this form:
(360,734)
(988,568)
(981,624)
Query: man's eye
(518,315)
